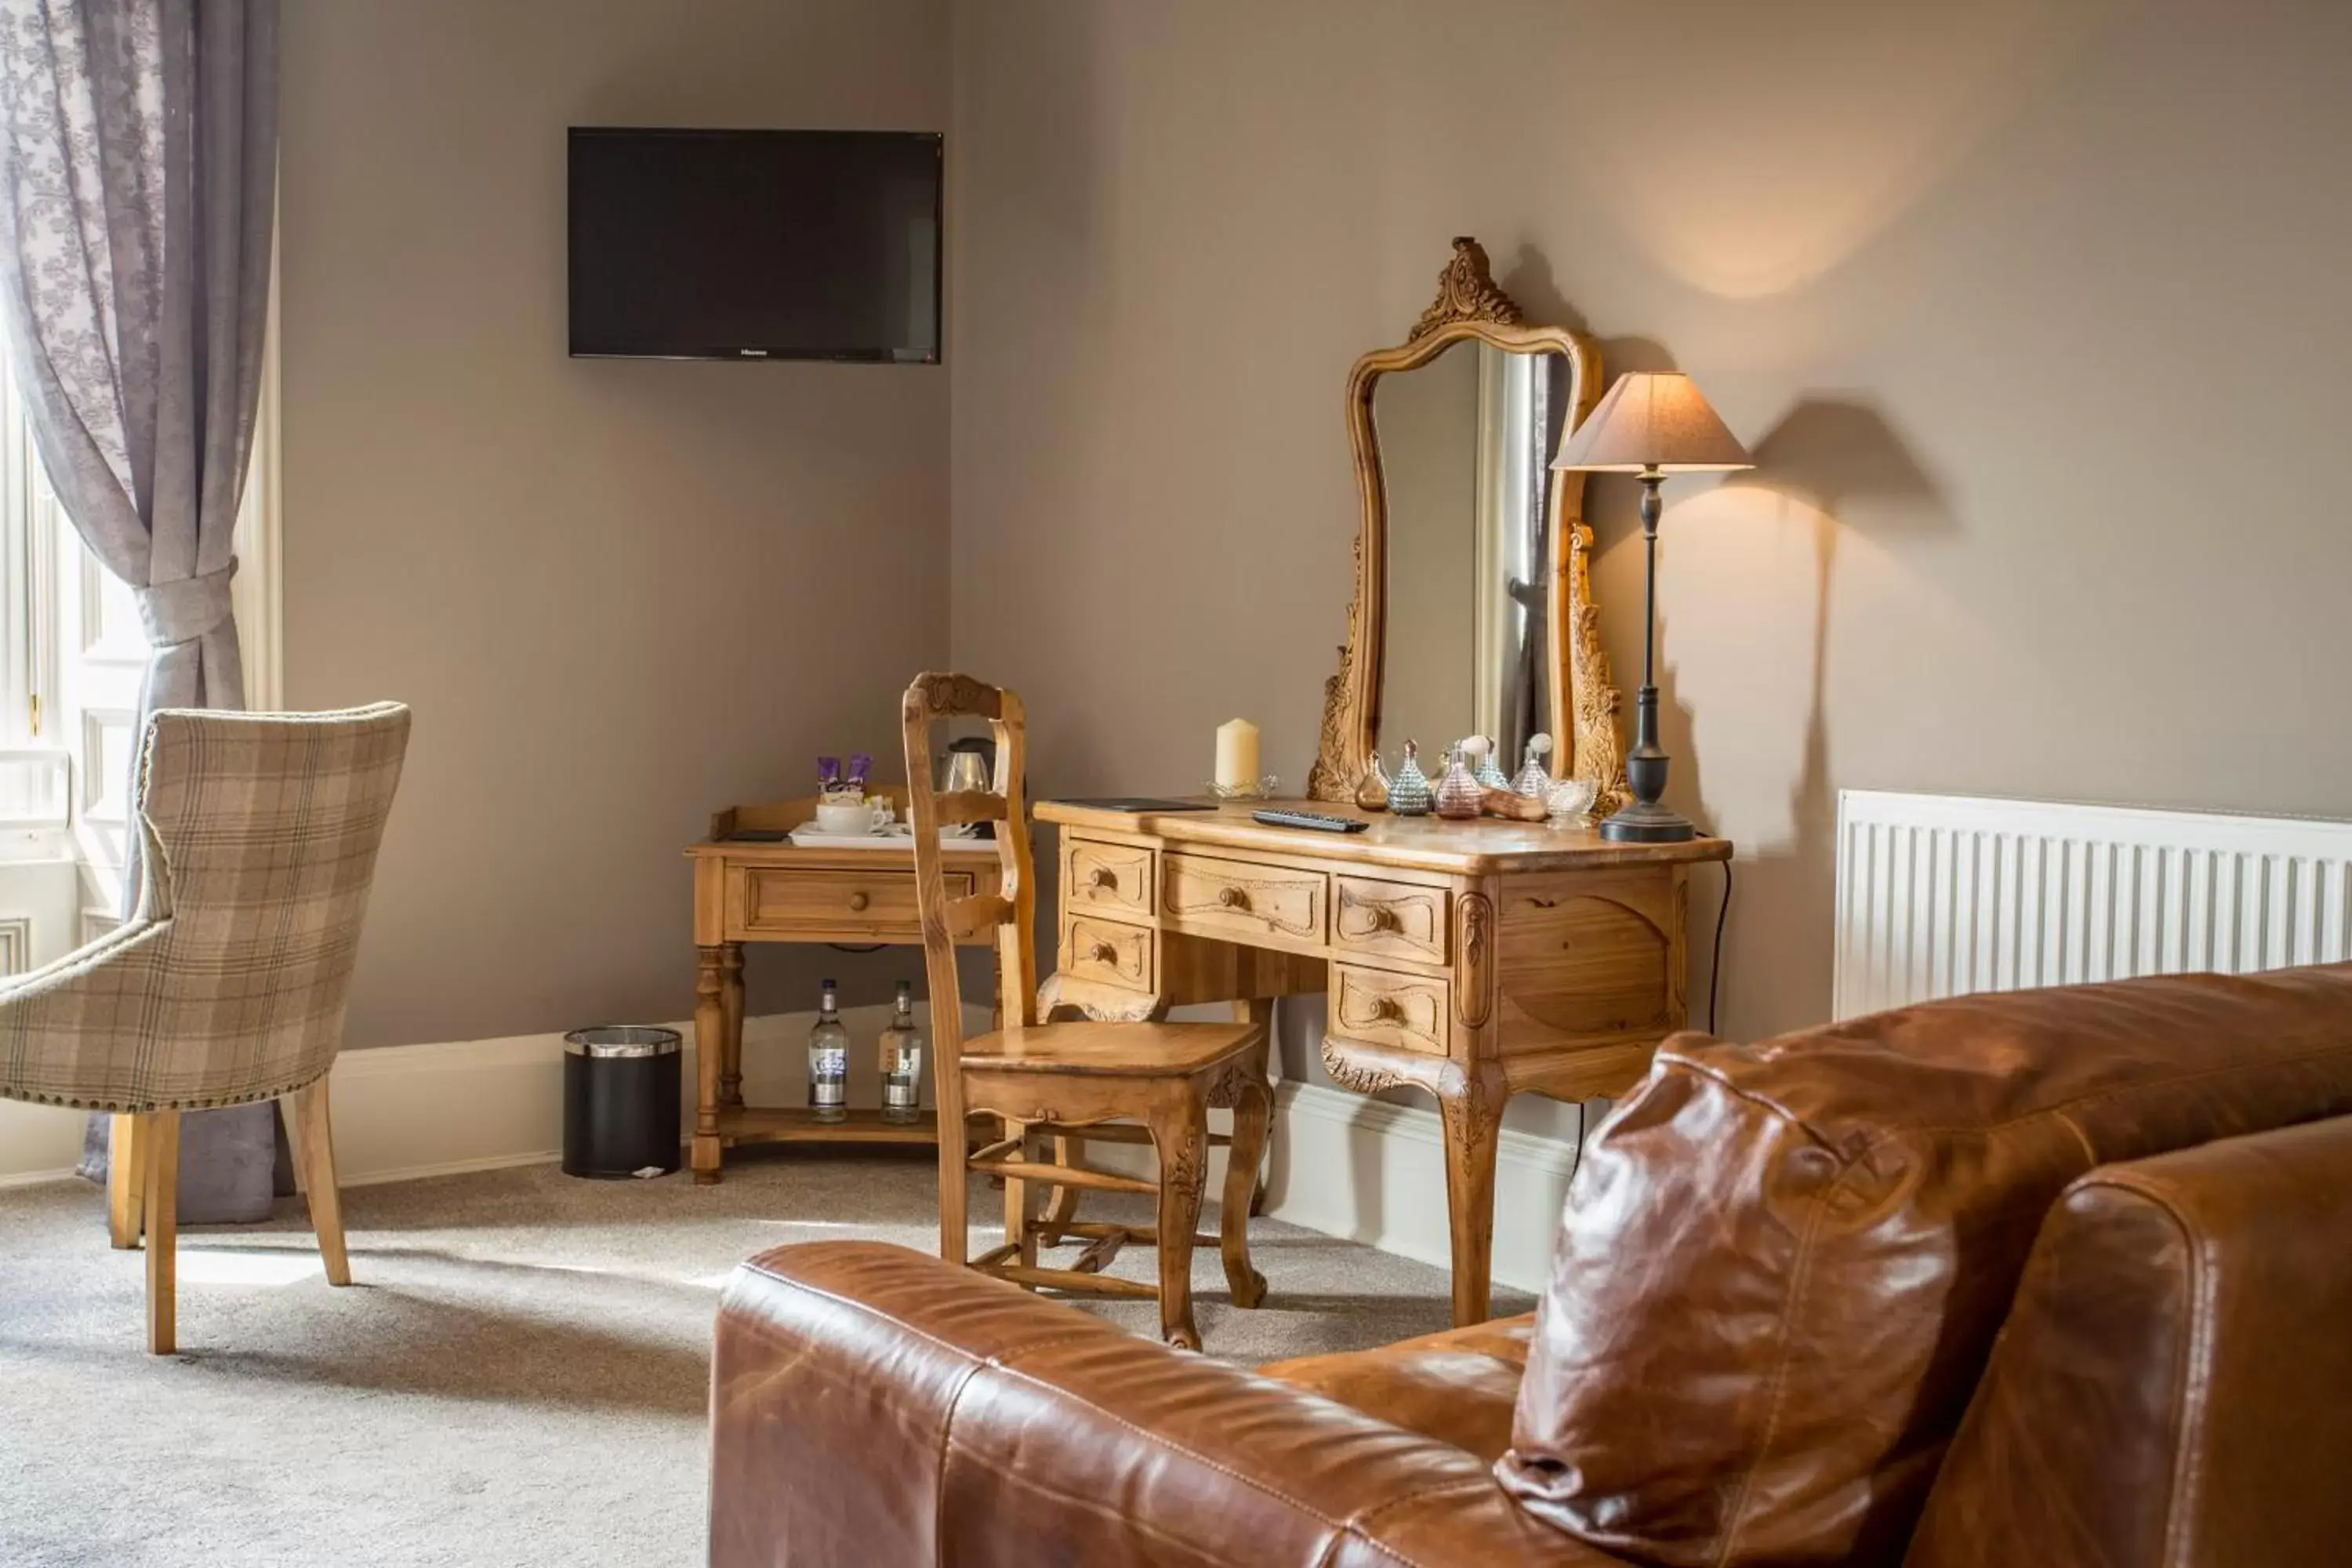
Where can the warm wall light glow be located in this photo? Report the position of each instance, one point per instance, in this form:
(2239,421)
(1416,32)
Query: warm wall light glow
(1764,150)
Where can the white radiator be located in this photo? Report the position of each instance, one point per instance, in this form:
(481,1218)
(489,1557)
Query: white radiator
(1939,895)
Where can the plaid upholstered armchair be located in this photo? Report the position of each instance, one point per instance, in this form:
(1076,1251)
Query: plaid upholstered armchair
(259,836)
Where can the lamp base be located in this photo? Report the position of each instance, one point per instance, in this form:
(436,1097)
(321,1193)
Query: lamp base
(1647,822)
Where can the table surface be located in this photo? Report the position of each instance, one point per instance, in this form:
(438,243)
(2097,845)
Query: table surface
(1428,843)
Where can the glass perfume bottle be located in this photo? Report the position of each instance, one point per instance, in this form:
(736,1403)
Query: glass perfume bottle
(1459,794)
(1480,749)
(1409,791)
(902,1061)
(1534,780)
(1372,790)
(828,1060)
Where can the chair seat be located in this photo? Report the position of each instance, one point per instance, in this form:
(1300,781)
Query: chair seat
(1111,1050)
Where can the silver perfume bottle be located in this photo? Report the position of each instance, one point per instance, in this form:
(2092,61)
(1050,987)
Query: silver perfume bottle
(1409,791)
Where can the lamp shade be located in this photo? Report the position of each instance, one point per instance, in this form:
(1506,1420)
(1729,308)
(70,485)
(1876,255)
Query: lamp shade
(1653,419)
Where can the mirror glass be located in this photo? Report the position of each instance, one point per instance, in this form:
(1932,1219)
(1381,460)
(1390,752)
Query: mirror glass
(1465,443)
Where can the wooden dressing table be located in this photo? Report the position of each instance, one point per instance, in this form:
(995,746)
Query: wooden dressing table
(1473,959)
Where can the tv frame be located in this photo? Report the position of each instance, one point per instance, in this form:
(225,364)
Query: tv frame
(749,354)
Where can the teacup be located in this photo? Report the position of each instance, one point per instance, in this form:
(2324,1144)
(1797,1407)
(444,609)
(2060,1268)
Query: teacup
(853,814)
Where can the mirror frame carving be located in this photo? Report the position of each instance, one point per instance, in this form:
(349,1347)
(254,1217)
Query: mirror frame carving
(1470,307)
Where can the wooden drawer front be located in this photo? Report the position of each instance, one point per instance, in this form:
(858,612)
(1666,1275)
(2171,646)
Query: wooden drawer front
(1113,878)
(1393,920)
(778,899)
(1113,954)
(1261,901)
(1400,1011)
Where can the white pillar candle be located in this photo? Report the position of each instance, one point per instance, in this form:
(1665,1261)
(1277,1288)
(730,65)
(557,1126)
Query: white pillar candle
(1237,754)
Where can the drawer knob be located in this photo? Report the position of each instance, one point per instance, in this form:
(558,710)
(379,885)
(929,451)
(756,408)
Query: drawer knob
(1387,1009)
(1385,917)
(1102,876)
(858,901)
(1104,953)
(1232,898)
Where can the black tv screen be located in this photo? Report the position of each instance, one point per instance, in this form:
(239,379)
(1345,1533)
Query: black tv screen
(755,245)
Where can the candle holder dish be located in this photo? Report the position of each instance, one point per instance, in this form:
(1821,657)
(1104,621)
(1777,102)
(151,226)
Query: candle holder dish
(1265,789)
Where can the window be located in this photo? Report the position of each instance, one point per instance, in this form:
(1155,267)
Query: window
(72,655)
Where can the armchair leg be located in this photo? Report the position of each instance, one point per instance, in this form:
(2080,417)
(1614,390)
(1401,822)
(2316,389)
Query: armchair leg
(126,1180)
(159,1136)
(317,1161)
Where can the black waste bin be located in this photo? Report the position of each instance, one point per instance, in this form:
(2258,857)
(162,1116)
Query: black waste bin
(621,1101)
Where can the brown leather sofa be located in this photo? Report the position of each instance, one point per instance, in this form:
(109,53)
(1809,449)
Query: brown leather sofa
(2056,1277)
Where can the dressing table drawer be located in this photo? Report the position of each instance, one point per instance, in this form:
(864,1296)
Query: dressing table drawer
(1108,952)
(1389,920)
(1113,878)
(1403,1012)
(1268,903)
(865,903)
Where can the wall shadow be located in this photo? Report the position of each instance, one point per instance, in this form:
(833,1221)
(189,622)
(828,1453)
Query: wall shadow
(1836,456)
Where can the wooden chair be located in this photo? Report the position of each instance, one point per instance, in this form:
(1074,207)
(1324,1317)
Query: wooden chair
(1127,1082)
(228,984)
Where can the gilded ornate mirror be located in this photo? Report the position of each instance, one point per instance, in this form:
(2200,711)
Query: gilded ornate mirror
(1473,612)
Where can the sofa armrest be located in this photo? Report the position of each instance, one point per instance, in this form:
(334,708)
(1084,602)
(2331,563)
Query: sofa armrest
(871,1405)
(2174,1384)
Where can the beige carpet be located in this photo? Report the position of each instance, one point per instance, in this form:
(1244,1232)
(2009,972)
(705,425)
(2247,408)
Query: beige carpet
(517,1377)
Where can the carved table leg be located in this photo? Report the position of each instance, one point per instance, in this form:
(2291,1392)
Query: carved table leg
(1180,1134)
(1472,1114)
(709,1056)
(730,1065)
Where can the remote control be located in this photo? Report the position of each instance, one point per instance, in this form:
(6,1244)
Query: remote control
(1314,819)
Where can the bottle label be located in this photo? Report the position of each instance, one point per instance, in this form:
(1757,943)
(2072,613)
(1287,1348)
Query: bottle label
(829,1076)
(899,1093)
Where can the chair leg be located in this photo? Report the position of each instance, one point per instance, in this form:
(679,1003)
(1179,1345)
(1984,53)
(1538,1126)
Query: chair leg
(1180,1134)
(126,1180)
(955,1232)
(161,1138)
(1062,1210)
(1252,1111)
(317,1160)
(1021,1200)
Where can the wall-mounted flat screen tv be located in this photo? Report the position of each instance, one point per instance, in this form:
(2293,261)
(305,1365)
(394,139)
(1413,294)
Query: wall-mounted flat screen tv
(755,245)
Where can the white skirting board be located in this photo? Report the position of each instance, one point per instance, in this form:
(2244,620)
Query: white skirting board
(404,1111)
(1345,1165)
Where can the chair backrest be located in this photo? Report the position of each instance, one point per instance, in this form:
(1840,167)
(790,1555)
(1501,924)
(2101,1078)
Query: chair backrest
(1009,912)
(262,832)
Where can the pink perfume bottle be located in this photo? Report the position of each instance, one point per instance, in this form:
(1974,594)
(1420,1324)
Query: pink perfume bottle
(1460,796)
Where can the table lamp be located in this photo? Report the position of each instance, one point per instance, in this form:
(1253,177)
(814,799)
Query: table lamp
(1651,424)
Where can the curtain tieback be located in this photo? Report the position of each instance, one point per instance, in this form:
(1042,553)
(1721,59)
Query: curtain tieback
(185,610)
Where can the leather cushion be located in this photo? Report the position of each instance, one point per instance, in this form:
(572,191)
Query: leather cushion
(1782,1265)
(1457,1387)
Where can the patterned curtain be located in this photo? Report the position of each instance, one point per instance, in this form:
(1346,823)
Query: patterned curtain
(138,172)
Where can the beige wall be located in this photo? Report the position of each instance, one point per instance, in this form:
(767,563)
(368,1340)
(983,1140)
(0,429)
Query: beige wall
(618,594)
(2035,314)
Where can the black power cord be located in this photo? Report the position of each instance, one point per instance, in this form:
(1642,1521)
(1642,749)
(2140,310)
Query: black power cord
(1715,975)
